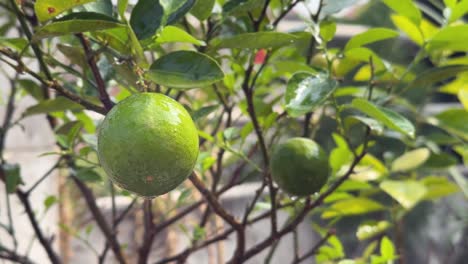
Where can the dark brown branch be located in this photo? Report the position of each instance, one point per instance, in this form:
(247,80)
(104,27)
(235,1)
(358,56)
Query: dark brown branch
(37,230)
(309,206)
(258,22)
(103,95)
(49,172)
(13,256)
(149,235)
(53,84)
(10,108)
(100,220)
(118,219)
(219,210)
(285,12)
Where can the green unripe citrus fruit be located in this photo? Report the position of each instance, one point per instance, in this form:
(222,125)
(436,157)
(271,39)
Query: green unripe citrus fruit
(299,166)
(148,144)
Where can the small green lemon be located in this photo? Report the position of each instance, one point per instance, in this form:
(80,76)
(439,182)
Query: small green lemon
(299,166)
(148,144)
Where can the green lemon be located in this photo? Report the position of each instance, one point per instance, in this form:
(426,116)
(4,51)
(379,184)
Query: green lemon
(299,166)
(148,144)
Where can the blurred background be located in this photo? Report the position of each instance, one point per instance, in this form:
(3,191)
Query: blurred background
(432,233)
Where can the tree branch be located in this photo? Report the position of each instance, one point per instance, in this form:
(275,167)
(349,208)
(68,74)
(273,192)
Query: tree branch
(100,220)
(37,230)
(91,59)
(316,247)
(219,210)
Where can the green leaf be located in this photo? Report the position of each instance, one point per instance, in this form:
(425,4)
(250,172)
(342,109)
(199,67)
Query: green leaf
(353,185)
(175,34)
(388,117)
(183,196)
(47,9)
(460,180)
(49,201)
(463,97)
(305,92)
(369,168)
(371,229)
(450,38)
(364,54)
(31,88)
(327,30)
(74,54)
(76,23)
(341,155)
(458,10)
(434,75)
(438,187)
(454,121)
(405,8)
(87,175)
(176,9)
(287,67)
(370,36)
(258,40)
(409,28)
(375,126)
(407,193)
(149,15)
(237,7)
(58,104)
(204,111)
(104,7)
(146,18)
(353,206)
(202,9)
(122,7)
(387,250)
(463,152)
(198,233)
(12,177)
(17,44)
(411,160)
(185,70)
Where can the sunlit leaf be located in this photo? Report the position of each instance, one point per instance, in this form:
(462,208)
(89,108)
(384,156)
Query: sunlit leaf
(388,117)
(371,229)
(76,23)
(202,8)
(258,40)
(405,8)
(354,206)
(407,193)
(47,9)
(411,160)
(305,92)
(370,36)
(175,34)
(438,187)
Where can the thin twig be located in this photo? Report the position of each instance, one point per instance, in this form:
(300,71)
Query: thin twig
(316,247)
(100,220)
(37,230)
(103,95)
(150,232)
(219,210)
(49,172)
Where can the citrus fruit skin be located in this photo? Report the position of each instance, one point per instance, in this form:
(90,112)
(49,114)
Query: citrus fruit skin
(148,144)
(299,166)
